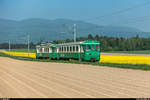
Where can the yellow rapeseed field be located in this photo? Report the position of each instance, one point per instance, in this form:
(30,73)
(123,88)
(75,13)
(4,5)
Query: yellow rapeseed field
(104,58)
(125,59)
(21,54)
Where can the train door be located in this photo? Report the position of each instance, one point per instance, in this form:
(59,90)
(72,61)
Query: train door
(50,53)
(53,52)
(81,51)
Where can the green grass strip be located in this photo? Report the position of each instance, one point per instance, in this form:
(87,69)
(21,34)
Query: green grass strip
(125,66)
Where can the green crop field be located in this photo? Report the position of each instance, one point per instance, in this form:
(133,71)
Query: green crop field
(131,52)
(21,50)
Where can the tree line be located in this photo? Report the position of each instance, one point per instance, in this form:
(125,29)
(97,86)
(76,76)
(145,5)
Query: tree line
(16,46)
(116,43)
(107,43)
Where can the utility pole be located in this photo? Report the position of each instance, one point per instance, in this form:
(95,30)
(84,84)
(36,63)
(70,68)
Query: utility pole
(28,44)
(75,33)
(9,45)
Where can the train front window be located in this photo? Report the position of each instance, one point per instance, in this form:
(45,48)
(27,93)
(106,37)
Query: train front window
(97,48)
(88,47)
(93,48)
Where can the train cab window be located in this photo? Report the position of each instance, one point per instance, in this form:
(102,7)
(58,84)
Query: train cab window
(88,47)
(93,47)
(97,48)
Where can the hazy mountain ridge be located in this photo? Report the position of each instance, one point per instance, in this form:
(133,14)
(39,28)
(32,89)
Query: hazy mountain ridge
(49,30)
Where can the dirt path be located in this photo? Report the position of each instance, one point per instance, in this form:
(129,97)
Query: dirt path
(58,80)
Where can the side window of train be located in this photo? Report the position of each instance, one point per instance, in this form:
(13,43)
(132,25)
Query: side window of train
(67,49)
(42,50)
(64,49)
(50,51)
(73,48)
(77,49)
(59,49)
(70,48)
(82,48)
(37,50)
(55,49)
(47,50)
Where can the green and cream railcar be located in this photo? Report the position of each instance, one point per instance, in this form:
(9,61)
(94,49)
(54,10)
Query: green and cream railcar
(68,51)
(43,50)
(87,50)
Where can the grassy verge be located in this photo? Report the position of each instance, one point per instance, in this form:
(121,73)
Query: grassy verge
(130,52)
(125,66)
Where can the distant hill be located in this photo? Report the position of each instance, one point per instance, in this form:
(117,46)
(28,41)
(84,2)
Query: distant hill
(49,30)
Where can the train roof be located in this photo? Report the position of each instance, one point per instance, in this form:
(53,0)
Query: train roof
(80,43)
(44,45)
(72,43)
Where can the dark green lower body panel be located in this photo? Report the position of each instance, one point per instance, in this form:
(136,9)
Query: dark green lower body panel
(68,55)
(78,56)
(42,55)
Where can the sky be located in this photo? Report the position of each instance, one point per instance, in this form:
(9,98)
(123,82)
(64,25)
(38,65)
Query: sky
(101,12)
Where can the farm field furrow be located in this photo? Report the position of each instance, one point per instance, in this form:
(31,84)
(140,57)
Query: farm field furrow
(45,79)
